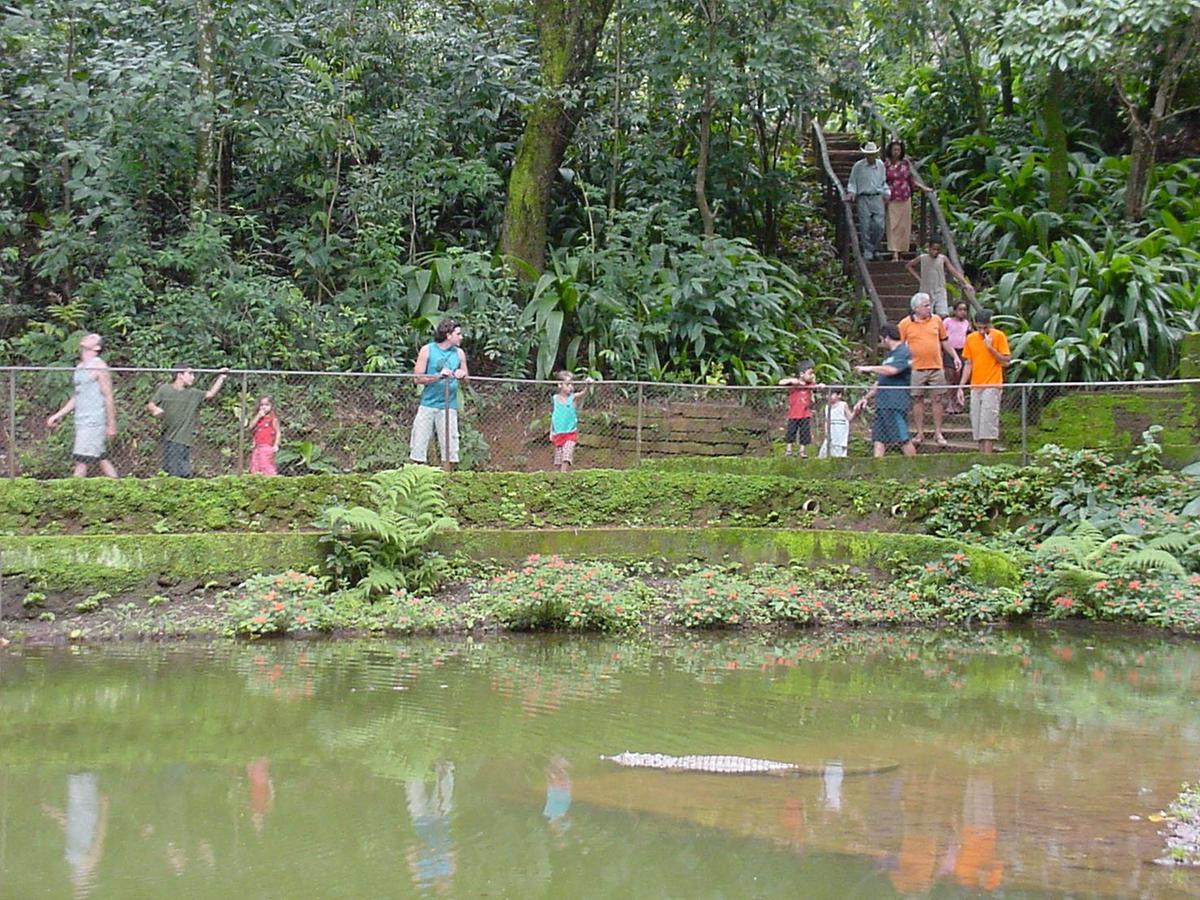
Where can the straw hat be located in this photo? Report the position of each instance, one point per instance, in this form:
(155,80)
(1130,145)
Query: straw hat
(870,147)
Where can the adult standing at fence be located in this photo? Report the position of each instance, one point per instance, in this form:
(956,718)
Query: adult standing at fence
(95,411)
(890,426)
(441,365)
(177,403)
(901,179)
(927,339)
(985,357)
(867,188)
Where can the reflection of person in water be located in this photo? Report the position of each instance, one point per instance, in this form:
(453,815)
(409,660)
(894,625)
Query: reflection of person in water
(558,795)
(831,785)
(433,860)
(262,791)
(976,866)
(84,825)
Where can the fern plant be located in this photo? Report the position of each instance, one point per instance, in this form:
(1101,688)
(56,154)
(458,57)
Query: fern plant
(1079,558)
(385,546)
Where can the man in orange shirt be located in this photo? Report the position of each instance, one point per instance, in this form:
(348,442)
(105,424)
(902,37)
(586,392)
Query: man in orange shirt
(927,339)
(985,356)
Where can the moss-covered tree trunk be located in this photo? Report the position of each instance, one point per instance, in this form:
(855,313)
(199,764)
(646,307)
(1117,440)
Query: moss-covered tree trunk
(1056,138)
(568,32)
(974,82)
(206,90)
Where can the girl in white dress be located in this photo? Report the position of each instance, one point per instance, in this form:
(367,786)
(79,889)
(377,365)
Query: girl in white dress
(838,417)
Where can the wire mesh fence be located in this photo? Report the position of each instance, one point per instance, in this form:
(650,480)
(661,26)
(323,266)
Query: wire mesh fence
(362,422)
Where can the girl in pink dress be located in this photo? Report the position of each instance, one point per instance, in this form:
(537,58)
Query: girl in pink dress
(957,327)
(265,431)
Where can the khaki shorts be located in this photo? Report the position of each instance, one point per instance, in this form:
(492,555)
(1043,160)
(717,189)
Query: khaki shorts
(985,413)
(565,453)
(928,381)
(427,421)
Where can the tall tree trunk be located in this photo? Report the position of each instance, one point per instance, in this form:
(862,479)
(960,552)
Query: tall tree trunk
(1056,137)
(615,171)
(1145,129)
(973,79)
(568,33)
(707,105)
(1006,86)
(206,91)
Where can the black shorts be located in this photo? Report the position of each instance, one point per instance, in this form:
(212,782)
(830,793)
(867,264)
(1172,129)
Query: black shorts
(799,431)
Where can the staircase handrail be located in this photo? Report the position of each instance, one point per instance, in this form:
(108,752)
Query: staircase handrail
(888,134)
(878,316)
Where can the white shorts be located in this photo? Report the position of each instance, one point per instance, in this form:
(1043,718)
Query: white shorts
(426,422)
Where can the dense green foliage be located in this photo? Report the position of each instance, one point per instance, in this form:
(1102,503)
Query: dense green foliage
(310,187)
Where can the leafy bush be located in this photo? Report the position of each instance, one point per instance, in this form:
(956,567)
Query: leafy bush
(711,599)
(569,596)
(384,546)
(275,604)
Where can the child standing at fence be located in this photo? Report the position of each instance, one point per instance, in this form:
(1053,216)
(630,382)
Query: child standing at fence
(799,425)
(265,431)
(838,417)
(564,420)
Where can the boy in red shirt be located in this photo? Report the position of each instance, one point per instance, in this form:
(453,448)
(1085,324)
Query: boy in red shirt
(799,426)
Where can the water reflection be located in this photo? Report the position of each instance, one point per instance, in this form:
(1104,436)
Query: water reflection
(432,858)
(957,765)
(84,823)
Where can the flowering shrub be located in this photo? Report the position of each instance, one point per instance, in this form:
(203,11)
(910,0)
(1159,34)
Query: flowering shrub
(275,604)
(711,599)
(795,603)
(551,593)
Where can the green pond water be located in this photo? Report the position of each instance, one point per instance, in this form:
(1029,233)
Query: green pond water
(954,765)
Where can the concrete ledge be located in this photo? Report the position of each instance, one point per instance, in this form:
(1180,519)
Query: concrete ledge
(94,562)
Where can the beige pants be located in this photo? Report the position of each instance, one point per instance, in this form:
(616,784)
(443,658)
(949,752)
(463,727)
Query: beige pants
(899,225)
(427,421)
(985,413)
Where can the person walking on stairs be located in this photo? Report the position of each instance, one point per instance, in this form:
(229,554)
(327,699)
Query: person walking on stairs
(901,180)
(866,190)
(927,339)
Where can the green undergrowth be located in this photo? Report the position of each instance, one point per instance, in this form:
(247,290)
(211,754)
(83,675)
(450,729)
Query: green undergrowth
(486,499)
(893,468)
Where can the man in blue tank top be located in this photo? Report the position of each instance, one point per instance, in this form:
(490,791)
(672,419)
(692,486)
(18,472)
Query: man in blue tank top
(440,366)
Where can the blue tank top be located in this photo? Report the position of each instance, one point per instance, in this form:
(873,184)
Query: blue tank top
(564,418)
(434,395)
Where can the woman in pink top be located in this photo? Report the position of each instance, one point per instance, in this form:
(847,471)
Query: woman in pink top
(957,326)
(901,180)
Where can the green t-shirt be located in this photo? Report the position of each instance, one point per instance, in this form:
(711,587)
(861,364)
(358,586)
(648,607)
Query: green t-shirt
(179,412)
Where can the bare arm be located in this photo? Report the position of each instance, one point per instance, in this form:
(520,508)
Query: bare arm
(946,348)
(104,379)
(462,373)
(154,409)
(278,433)
(419,368)
(54,418)
(965,379)
(216,385)
(959,276)
(911,267)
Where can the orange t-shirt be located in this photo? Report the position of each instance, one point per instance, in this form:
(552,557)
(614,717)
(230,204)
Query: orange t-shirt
(924,339)
(984,368)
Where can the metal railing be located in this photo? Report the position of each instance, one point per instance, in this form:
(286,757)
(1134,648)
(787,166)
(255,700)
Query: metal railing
(846,233)
(360,422)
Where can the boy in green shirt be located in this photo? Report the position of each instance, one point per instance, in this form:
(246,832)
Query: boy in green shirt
(177,404)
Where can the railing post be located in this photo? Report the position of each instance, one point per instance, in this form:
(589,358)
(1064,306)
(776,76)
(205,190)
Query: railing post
(446,412)
(1024,424)
(12,424)
(637,445)
(241,467)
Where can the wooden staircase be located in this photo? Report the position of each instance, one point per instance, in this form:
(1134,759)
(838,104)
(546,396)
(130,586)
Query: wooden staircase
(895,286)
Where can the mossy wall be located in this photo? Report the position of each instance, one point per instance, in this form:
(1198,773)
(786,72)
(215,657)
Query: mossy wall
(586,498)
(115,562)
